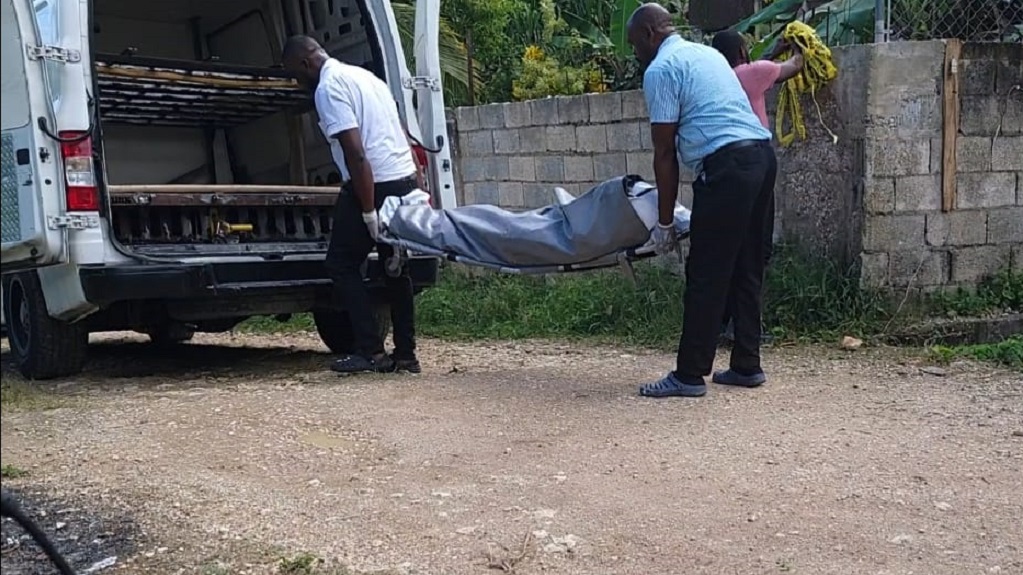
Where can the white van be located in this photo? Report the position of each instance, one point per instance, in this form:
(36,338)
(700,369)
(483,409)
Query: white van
(162,175)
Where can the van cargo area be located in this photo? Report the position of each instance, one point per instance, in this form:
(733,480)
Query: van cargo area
(207,147)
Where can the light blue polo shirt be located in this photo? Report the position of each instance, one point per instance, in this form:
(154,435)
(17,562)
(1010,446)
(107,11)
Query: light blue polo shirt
(692,85)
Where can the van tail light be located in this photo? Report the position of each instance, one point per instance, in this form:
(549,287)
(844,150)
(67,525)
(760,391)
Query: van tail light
(79,172)
(422,160)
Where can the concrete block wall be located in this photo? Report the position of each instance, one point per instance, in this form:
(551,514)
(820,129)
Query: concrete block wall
(873,199)
(514,154)
(908,240)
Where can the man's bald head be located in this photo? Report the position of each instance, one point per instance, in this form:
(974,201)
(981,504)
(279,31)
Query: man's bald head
(303,57)
(648,26)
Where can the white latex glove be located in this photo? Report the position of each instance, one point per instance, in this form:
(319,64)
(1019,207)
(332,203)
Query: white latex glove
(665,238)
(372,222)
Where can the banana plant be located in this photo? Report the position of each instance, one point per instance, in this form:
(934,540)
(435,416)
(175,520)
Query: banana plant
(454,58)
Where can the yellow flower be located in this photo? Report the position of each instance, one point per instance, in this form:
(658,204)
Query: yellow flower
(533,53)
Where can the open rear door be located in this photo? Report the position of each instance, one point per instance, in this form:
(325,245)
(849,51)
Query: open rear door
(32,183)
(430,102)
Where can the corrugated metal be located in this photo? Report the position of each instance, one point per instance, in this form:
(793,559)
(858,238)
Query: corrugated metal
(10,210)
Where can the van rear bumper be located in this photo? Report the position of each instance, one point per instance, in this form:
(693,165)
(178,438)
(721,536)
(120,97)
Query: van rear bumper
(104,285)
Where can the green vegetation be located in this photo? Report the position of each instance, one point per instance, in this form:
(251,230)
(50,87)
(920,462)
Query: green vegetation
(16,393)
(1008,353)
(999,293)
(12,472)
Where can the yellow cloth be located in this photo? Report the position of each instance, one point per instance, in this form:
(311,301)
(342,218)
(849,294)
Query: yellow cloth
(818,70)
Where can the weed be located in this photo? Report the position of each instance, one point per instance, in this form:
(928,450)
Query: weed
(217,568)
(20,394)
(1002,292)
(269,324)
(12,472)
(1008,352)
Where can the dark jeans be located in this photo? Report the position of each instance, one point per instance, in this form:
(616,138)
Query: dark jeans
(733,213)
(350,244)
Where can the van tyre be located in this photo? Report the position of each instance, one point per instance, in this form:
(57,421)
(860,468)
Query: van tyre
(335,329)
(41,347)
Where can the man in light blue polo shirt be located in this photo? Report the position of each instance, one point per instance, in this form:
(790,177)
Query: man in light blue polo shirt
(700,114)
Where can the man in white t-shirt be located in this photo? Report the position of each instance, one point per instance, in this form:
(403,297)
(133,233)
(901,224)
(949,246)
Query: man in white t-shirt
(368,143)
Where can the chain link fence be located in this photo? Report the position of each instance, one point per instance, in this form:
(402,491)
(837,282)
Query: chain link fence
(967,20)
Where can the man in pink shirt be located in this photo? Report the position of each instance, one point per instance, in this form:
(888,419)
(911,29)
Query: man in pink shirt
(756,78)
(760,76)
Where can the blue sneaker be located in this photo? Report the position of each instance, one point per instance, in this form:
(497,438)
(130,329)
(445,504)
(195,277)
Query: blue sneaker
(671,386)
(730,377)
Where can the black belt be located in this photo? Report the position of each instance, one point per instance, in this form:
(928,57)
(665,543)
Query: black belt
(737,145)
(347,184)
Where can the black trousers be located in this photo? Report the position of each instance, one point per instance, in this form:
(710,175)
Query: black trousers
(350,245)
(733,213)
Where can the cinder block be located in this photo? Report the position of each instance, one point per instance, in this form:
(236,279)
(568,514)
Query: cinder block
(592,139)
(895,157)
(625,137)
(874,269)
(468,194)
(973,154)
(937,155)
(607,166)
(1005,225)
(474,169)
(977,77)
(537,195)
(971,265)
(640,163)
(487,193)
(476,143)
(510,194)
(491,116)
(467,119)
(985,190)
(645,139)
(533,140)
(550,168)
(522,168)
(919,267)
(979,115)
(879,195)
(1009,66)
(561,138)
(918,193)
(506,142)
(893,233)
(957,228)
(495,168)
(573,109)
(605,108)
(543,112)
(634,105)
(578,168)
(1007,154)
(517,114)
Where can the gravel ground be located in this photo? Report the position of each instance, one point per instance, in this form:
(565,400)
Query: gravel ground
(91,540)
(230,453)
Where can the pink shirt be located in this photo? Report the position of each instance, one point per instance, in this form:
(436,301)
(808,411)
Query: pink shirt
(756,79)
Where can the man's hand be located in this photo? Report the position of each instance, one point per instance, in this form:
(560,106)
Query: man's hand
(372,221)
(665,238)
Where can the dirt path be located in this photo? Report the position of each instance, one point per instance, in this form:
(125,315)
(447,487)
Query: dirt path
(231,457)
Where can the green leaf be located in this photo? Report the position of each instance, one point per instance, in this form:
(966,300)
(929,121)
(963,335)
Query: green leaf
(780,9)
(623,9)
(845,22)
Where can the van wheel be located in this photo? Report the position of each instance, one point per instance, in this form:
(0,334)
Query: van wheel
(41,347)
(335,329)
(170,334)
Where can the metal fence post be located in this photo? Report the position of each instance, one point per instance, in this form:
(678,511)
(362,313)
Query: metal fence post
(879,17)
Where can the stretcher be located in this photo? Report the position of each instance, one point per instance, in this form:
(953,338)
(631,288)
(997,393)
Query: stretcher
(608,225)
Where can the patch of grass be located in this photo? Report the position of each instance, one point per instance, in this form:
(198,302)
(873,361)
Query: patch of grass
(805,299)
(1008,353)
(19,394)
(299,322)
(12,472)
(1000,293)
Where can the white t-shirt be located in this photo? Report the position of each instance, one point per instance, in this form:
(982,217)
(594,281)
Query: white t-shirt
(352,97)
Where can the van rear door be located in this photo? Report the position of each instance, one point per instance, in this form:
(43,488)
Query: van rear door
(430,102)
(34,220)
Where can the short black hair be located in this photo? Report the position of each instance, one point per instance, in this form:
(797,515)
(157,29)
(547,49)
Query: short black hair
(730,43)
(298,46)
